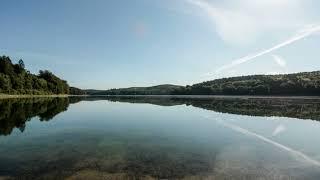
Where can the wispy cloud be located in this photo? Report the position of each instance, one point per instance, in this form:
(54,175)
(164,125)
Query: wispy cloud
(242,22)
(238,22)
(231,31)
(279,60)
(299,36)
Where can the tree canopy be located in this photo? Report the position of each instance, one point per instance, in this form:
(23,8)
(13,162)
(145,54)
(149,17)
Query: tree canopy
(15,79)
(307,83)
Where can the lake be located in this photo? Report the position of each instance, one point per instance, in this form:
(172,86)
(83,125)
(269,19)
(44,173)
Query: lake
(159,138)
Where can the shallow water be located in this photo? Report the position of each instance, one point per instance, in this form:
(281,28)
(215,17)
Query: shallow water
(159,138)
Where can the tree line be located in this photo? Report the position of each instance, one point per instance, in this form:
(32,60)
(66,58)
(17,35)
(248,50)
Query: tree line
(165,89)
(306,84)
(15,79)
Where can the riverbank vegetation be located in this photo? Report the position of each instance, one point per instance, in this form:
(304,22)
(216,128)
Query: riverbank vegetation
(15,79)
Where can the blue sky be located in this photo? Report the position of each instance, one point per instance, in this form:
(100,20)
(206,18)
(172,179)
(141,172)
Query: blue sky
(120,43)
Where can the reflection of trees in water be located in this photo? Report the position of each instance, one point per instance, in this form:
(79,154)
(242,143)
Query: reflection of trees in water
(14,113)
(132,157)
(294,108)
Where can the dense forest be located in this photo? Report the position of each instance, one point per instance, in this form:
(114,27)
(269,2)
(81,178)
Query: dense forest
(15,79)
(306,84)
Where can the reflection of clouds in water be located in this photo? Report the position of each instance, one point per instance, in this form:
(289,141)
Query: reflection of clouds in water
(277,119)
(273,118)
(279,129)
(295,153)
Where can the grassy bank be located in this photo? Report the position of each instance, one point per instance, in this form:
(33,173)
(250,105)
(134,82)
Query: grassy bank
(6,96)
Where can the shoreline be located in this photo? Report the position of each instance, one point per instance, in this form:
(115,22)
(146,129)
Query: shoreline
(212,96)
(7,96)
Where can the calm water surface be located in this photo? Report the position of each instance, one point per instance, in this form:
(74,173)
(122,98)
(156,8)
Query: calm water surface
(159,138)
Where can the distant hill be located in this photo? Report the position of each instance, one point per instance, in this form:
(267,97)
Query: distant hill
(76,91)
(306,83)
(92,91)
(165,89)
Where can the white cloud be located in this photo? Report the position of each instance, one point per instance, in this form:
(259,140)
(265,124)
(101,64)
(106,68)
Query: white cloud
(223,19)
(280,61)
(273,73)
(242,21)
(310,30)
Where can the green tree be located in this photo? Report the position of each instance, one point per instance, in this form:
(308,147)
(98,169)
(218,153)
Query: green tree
(15,79)
(6,66)
(5,83)
(21,64)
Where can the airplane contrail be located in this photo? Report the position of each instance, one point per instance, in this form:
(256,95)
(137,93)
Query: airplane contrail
(212,13)
(281,146)
(303,34)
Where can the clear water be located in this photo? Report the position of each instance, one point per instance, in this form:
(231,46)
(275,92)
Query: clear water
(159,138)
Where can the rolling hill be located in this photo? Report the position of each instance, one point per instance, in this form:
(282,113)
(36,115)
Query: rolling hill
(302,84)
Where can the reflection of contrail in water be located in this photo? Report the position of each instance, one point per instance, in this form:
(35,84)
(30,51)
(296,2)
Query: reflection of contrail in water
(249,133)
